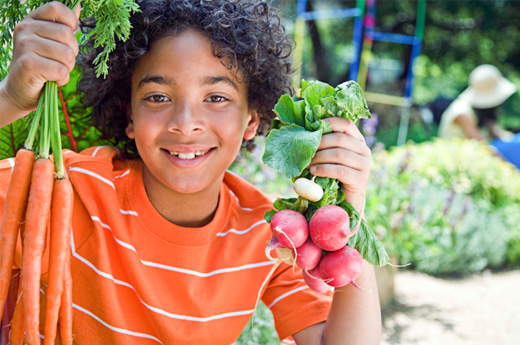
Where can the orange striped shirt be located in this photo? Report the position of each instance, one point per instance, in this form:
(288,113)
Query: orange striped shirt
(139,279)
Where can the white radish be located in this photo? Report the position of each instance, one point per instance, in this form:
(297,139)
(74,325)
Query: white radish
(308,189)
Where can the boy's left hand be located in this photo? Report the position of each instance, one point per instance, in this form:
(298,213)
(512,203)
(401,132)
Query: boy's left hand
(344,155)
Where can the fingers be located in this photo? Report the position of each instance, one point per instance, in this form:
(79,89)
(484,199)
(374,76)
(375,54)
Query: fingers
(77,11)
(57,12)
(45,48)
(344,155)
(44,69)
(352,179)
(53,41)
(346,126)
(343,140)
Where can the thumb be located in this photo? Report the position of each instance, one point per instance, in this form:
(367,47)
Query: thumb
(77,10)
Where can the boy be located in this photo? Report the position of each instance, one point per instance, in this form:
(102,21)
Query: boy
(167,246)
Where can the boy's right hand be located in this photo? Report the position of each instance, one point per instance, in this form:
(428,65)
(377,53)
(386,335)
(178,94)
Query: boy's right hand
(45,48)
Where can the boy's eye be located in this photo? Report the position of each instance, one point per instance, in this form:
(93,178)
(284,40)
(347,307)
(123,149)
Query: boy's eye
(157,98)
(216,99)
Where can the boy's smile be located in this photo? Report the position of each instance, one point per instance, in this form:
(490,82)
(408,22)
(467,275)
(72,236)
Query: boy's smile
(189,116)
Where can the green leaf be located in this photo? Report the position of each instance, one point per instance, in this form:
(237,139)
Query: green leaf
(285,204)
(269,215)
(276,123)
(369,246)
(284,109)
(319,112)
(290,149)
(299,113)
(351,101)
(331,105)
(289,111)
(315,90)
(13,136)
(330,191)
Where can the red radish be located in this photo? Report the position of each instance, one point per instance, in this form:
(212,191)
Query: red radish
(314,281)
(330,227)
(341,267)
(308,255)
(290,227)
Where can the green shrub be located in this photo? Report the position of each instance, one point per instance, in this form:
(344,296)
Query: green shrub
(446,206)
(259,329)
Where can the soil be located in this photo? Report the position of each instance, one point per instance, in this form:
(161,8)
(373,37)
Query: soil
(482,309)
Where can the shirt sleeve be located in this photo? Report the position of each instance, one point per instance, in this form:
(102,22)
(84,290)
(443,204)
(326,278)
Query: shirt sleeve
(294,305)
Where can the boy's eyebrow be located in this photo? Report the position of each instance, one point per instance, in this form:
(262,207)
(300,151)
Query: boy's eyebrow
(155,79)
(219,79)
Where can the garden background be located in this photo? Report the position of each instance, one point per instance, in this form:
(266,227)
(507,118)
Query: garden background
(449,209)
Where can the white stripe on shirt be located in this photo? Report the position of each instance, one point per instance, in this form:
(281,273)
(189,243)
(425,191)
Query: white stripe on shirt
(288,293)
(93,174)
(157,310)
(238,202)
(178,269)
(106,226)
(11,163)
(122,175)
(240,232)
(113,328)
(208,274)
(130,212)
(96,150)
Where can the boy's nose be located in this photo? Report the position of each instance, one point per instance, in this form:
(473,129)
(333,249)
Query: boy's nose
(186,119)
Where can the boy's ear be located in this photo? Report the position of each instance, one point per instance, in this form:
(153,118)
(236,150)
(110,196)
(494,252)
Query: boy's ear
(252,125)
(129,130)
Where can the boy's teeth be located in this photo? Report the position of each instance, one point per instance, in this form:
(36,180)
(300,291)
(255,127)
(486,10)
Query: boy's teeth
(189,155)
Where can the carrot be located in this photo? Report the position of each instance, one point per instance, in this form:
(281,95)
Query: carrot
(61,217)
(66,306)
(37,217)
(14,212)
(17,329)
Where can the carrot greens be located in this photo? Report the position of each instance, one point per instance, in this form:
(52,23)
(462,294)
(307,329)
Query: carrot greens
(39,201)
(112,23)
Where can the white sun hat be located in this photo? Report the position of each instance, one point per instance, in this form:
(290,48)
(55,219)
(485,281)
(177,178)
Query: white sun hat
(487,88)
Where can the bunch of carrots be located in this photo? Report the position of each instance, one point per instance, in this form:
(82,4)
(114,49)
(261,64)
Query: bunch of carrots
(38,206)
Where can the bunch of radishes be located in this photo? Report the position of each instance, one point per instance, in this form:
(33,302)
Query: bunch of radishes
(318,247)
(319,230)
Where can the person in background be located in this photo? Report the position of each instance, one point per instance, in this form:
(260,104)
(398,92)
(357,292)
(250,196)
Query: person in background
(473,113)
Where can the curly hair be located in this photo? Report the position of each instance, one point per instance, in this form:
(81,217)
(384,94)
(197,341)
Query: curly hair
(246,35)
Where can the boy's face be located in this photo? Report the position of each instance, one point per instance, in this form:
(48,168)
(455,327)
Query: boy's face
(189,115)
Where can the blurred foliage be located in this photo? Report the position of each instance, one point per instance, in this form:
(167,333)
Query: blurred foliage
(446,206)
(260,329)
(458,36)
(249,165)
